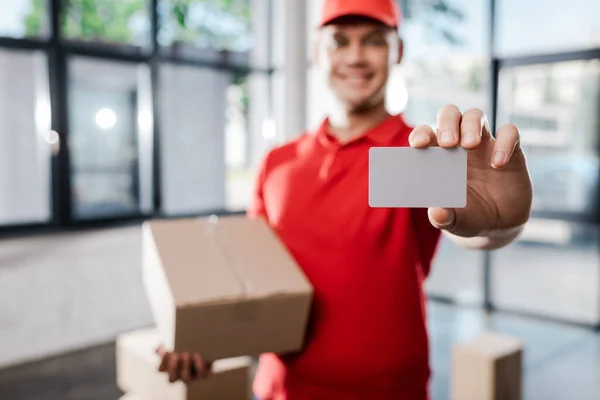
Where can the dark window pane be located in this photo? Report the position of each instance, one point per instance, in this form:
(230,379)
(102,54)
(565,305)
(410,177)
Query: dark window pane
(554,270)
(110,121)
(216,30)
(26,142)
(24,18)
(546,26)
(107,21)
(556,109)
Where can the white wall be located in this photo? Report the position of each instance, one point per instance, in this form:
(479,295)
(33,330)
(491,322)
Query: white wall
(64,292)
(290,62)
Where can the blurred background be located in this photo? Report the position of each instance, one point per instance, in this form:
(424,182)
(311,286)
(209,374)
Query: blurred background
(116,111)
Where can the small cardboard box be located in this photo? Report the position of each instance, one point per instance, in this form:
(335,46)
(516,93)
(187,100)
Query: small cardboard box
(138,375)
(487,368)
(224,287)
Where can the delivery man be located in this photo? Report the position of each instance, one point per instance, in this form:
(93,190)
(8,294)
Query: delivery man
(367,339)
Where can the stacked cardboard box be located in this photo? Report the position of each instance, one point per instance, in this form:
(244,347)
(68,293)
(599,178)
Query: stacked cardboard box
(138,375)
(487,368)
(222,287)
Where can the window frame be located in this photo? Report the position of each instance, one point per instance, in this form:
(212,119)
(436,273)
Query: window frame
(58,51)
(497,65)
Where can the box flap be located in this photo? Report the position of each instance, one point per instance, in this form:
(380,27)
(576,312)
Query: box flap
(193,263)
(258,257)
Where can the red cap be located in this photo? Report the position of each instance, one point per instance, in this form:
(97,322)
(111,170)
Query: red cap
(384,11)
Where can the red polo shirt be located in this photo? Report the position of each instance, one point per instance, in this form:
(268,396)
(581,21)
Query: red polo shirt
(367,337)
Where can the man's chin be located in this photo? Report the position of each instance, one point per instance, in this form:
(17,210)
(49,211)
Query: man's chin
(359,107)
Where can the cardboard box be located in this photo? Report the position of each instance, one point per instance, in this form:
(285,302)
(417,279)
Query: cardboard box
(138,375)
(487,368)
(224,287)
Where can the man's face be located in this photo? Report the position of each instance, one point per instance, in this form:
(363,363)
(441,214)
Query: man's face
(356,56)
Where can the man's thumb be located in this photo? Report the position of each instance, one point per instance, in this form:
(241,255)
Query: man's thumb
(442,218)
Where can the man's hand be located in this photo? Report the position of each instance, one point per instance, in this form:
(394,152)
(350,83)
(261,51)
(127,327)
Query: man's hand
(499,191)
(185,367)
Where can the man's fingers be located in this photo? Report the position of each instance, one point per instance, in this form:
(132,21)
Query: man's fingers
(422,136)
(164,361)
(186,368)
(202,368)
(472,125)
(173,368)
(507,139)
(448,125)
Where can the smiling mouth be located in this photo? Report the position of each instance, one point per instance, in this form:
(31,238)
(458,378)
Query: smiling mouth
(357,80)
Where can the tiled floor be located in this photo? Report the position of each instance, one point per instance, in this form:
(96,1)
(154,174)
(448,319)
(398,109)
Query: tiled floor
(86,375)
(561,362)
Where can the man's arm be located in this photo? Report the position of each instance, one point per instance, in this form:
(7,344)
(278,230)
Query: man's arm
(493,241)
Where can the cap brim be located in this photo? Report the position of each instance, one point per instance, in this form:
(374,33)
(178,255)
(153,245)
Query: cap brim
(374,16)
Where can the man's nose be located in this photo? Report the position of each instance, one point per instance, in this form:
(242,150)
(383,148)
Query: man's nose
(355,54)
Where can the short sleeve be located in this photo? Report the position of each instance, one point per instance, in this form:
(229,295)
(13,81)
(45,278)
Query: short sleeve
(427,238)
(256,208)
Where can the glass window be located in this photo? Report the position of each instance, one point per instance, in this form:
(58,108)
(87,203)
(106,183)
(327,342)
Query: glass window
(110,123)
(554,270)
(445,61)
(246,136)
(24,18)
(193,120)
(556,108)
(546,26)
(26,142)
(107,21)
(212,125)
(216,30)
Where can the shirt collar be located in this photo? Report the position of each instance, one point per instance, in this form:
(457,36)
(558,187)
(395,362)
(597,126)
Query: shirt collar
(382,134)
